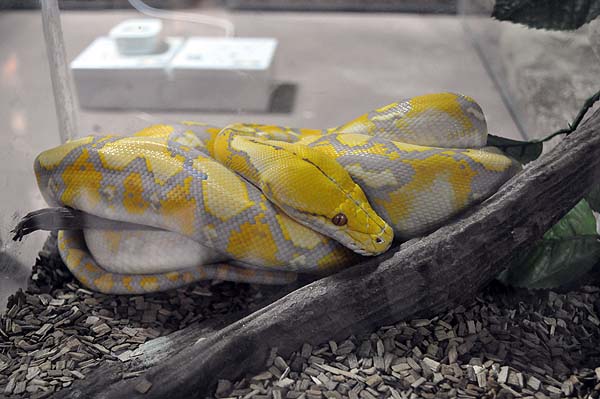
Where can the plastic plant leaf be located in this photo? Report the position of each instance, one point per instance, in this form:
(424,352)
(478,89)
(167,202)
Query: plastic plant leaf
(593,197)
(554,263)
(547,14)
(522,151)
(569,250)
(579,221)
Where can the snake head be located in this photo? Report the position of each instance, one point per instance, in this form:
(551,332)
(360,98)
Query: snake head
(310,187)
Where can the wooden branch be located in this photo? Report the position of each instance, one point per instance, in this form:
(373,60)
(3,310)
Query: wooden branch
(424,277)
(162,348)
(152,353)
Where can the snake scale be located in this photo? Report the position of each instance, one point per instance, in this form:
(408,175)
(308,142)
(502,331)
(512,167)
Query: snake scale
(262,203)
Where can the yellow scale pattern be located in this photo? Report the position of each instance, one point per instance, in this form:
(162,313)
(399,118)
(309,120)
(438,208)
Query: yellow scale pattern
(294,168)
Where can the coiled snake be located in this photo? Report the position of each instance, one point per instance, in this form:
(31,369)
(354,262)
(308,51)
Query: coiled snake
(261,203)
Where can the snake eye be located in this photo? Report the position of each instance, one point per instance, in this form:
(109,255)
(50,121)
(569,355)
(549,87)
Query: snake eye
(340,219)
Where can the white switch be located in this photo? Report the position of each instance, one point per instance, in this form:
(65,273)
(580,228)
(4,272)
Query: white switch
(137,36)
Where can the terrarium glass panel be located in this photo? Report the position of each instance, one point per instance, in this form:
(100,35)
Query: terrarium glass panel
(299,199)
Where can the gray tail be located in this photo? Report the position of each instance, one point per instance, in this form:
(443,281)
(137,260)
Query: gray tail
(64,218)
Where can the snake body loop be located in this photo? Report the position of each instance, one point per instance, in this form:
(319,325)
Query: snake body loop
(261,203)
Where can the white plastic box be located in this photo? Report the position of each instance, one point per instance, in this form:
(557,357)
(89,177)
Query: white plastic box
(195,74)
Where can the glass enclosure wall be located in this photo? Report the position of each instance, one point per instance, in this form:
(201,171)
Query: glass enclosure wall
(210,282)
(544,76)
(326,68)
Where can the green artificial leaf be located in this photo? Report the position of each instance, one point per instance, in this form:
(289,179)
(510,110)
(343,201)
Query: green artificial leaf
(580,221)
(554,263)
(522,151)
(593,197)
(547,14)
(570,249)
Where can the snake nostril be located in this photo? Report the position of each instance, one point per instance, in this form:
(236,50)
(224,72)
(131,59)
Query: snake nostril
(379,240)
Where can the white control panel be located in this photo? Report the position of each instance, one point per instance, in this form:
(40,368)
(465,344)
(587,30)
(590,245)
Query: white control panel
(197,73)
(226,54)
(224,74)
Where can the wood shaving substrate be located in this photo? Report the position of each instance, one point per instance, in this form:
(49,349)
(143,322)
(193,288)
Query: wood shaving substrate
(505,344)
(57,331)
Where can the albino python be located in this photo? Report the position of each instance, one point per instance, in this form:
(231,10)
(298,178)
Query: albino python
(174,204)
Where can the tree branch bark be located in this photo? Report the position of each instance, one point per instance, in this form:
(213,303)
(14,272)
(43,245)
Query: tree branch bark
(424,277)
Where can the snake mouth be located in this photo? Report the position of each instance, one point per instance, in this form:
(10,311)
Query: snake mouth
(367,244)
